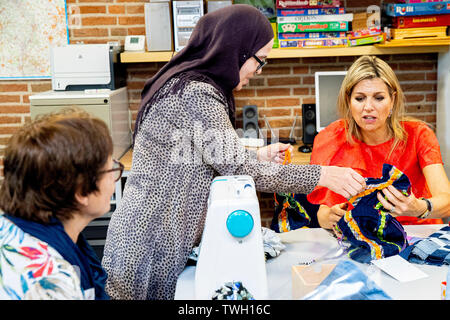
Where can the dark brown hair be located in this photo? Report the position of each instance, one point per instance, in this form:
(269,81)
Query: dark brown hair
(50,159)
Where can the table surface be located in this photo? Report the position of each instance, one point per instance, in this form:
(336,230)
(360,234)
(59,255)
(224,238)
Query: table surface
(297,157)
(314,242)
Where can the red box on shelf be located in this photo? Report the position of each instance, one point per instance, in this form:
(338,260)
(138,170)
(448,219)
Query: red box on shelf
(436,20)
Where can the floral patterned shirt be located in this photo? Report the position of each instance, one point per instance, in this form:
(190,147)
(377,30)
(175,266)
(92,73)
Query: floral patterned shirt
(31,269)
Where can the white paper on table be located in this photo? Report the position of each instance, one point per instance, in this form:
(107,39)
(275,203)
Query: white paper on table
(399,268)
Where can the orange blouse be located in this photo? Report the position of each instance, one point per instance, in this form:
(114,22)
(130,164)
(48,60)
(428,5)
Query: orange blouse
(420,150)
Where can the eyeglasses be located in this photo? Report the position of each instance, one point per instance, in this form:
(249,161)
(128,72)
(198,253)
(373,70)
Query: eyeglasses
(117,169)
(262,63)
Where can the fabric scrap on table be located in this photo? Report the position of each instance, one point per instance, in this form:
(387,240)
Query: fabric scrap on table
(232,291)
(433,250)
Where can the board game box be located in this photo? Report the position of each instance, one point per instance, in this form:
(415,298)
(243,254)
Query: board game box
(415,9)
(312,26)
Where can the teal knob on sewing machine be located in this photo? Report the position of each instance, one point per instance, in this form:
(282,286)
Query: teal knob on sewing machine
(240,223)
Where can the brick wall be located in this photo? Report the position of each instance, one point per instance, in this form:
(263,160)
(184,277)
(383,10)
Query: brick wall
(279,92)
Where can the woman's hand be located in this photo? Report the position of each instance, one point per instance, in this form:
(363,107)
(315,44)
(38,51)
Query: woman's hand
(400,205)
(274,152)
(329,217)
(344,181)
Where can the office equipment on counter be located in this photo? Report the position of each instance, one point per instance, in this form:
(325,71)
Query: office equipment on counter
(135,43)
(109,105)
(231,249)
(158,26)
(185,17)
(76,67)
(327,85)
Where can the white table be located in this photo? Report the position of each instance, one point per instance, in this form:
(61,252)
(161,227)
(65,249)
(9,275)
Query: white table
(310,243)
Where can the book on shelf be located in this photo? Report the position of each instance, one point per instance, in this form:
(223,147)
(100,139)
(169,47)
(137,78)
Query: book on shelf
(311,35)
(313,26)
(313,43)
(307,4)
(303,11)
(366,20)
(435,20)
(316,18)
(416,9)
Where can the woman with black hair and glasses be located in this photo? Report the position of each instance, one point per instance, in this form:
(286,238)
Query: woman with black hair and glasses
(184,137)
(58,177)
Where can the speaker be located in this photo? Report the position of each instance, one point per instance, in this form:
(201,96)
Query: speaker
(250,121)
(309,123)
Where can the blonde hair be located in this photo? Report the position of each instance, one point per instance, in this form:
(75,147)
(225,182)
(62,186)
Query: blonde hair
(370,67)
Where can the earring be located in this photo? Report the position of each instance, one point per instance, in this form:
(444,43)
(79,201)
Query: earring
(390,113)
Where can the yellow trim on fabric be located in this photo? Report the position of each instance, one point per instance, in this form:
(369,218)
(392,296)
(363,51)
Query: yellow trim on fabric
(397,173)
(374,247)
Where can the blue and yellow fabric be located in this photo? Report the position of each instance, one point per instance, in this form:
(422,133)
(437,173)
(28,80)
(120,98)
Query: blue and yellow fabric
(371,230)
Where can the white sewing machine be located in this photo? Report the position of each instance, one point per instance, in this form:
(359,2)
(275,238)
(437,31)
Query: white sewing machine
(232,245)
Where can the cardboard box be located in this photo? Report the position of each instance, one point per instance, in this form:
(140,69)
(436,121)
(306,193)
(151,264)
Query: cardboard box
(305,278)
(364,20)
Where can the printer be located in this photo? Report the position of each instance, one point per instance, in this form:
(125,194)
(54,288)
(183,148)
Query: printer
(76,67)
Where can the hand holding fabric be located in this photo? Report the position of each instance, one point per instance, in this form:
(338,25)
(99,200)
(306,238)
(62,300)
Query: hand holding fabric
(328,217)
(274,152)
(399,204)
(344,181)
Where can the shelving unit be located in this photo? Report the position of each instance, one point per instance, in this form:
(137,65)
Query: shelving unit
(432,45)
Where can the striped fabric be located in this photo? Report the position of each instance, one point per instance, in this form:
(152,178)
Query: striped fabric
(371,230)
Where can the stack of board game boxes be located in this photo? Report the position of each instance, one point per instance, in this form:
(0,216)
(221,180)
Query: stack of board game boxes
(312,24)
(411,19)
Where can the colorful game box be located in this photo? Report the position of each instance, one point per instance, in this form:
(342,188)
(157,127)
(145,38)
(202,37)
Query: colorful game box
(415,9)
(352,42)
(310,35)
(436,20)
(313,43)
(312,26)
(307,4)
(365,33)
(316,18)
(302,12)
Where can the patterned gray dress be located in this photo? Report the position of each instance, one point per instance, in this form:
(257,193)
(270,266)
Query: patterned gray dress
(184,141)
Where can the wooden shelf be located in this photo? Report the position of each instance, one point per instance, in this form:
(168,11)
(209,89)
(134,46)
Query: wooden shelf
(427,45)
(154,56)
